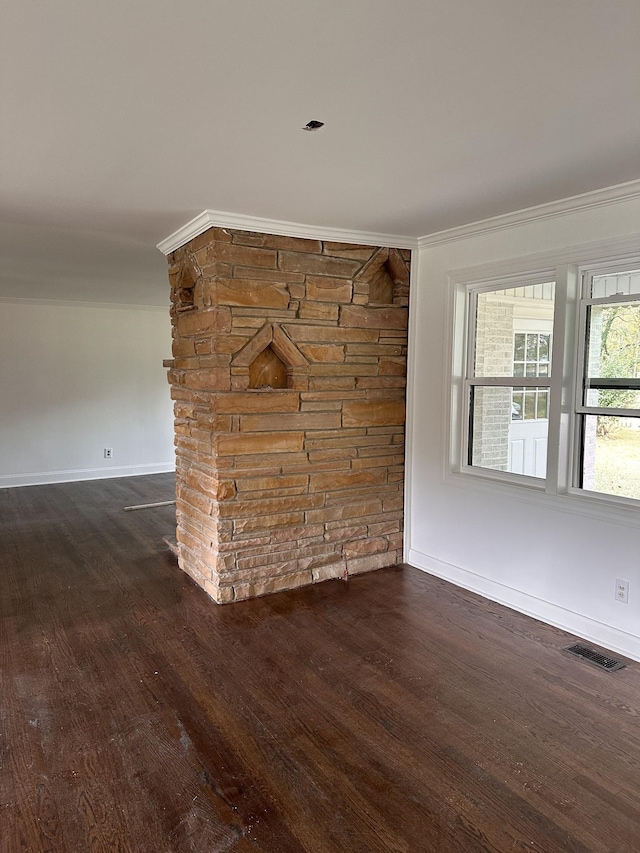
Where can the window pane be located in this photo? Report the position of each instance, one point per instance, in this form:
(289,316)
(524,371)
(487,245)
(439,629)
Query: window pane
(517,406)
(537,347)
(617,398)
(544,347)
(530,405)
(499,314)
(541,405)
(611,455)
(505,438)
(615,283)
(614,341)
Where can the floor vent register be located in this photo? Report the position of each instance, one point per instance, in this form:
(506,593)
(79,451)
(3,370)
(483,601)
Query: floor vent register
(595,657)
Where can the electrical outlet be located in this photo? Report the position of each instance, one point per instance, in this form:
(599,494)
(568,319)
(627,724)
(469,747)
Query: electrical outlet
(108,453)
(622,591)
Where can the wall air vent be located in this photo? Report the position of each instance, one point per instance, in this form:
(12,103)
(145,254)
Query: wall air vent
(594,657)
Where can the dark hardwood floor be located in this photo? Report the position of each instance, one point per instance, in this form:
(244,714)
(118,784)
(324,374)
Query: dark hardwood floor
(390,713)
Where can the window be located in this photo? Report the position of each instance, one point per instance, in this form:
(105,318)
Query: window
(608,407)
(549,390)
(509,371)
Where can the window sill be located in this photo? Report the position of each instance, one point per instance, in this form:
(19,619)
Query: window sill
(530,490)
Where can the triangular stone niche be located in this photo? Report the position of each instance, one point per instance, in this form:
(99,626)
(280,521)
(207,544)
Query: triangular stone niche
(270,360)
(267,370)
(185,288)
(382,273)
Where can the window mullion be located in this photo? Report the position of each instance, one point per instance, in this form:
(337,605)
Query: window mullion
(615,299)
(608,411)
(509,381)
(471,307)
(471,334)
(632,384)
(563,369)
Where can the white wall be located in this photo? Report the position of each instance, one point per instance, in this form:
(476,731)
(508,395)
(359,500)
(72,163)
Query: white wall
(548,556)
(76,378)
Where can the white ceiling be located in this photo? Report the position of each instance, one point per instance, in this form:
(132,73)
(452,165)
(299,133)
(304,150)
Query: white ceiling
(122,120)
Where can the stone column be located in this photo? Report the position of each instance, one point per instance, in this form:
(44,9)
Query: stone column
(288,381)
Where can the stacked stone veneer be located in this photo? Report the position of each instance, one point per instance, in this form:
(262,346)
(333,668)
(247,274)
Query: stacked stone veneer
(288,380)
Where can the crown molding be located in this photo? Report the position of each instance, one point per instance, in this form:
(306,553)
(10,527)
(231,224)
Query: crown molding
(74,303)
(575,204)
(220,219)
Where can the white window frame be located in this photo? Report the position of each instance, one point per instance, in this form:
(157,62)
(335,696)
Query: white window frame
(587,273)
(570,270)
(470,380)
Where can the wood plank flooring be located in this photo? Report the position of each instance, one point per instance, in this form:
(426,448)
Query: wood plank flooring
(390,713)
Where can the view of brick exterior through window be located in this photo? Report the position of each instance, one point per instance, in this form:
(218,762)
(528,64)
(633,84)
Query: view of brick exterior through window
(288,380)
(512,338)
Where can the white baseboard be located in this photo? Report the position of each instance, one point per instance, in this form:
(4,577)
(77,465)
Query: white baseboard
(575,623)
(10,481)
